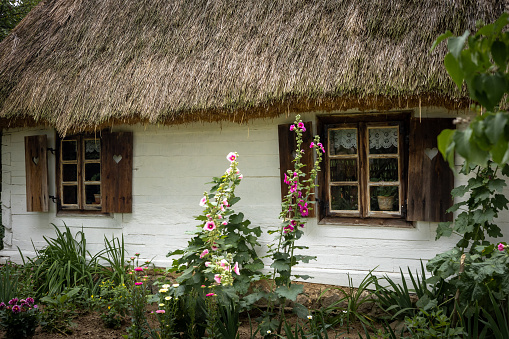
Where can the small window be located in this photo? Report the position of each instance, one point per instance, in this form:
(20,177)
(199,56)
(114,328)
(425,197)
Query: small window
(79,171)
(365,169)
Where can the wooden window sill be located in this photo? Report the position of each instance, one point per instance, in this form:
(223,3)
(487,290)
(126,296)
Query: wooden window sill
(76,213)
(381,222)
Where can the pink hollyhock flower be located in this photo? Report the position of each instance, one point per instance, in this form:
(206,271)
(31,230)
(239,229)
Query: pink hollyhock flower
(293,222)
(232,156)
(207,263)
(301,225)
(292,127)
(501,247)
(203,201)
(304,211)
(209,226)
(229,170)
(219,216)
(160,311)
(237,171)
(217,278)
(236,268)
(225,202)
(204,253)
(286,181)
(222,208)
(321,147)
(241,176)
(311,145)
(138,269)
(209,294)
(295,174)
(225,223)
(138,283)
(214,247)
(300,194)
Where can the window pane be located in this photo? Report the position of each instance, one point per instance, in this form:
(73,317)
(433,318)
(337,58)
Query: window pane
(92,149)
(69,172)
(383,140)
(343,169)
(93,172)
(69,151)
(383,169)
(344,198)
(384,198)
(70,195)
(93,194)
(343,141)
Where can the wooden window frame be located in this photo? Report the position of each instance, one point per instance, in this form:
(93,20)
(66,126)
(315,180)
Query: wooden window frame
(81,207)
(364,215)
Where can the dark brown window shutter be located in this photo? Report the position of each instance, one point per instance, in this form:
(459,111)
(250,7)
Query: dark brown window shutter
(116,172)
(287,148)
(430,180)
(36,168)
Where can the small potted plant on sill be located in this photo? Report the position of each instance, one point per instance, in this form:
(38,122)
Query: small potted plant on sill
(385,196)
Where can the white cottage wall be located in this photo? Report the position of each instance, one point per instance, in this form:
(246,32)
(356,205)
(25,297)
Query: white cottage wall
(171,167)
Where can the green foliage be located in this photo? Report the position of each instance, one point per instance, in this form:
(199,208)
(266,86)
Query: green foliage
(168,311)
(12,12)
(347,309)
(484,202)
(59,311)
(480,60)
(211,253)
(64,263)
(19,318)
(115,256)
(396,299)
(434,324)
(112,301)
(9,276)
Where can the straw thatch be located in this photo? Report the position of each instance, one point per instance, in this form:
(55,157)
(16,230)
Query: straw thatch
(80,64)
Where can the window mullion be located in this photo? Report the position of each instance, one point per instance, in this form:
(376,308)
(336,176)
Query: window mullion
(81,183)
(364,173)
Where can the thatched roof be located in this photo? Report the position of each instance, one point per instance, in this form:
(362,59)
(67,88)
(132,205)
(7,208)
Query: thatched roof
(79,64)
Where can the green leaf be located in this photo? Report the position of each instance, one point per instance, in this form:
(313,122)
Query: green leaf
(289,293)
(453,68)
(496,185)
(443,229)
(499,53)
(459,191)
(280,265)
(300,310)
(446,145)
(456,44)
(441,38)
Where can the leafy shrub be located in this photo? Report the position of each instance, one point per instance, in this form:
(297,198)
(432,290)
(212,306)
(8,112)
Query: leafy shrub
(59,311)
(113,302)
(64,263)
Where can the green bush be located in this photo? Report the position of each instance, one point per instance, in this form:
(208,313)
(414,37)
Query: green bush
(64,263)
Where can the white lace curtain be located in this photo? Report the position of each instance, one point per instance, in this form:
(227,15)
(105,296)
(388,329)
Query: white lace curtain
(92,146)
(383,138)
(378,138)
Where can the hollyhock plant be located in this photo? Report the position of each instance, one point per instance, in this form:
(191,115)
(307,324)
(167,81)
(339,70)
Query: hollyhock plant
(501,247)
(295,208)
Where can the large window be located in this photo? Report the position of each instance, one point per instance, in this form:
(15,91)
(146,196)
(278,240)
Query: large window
(80,173)
(364,170)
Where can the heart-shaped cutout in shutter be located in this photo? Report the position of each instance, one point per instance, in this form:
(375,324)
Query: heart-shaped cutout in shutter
(35,160)
(431,152)
(117,158)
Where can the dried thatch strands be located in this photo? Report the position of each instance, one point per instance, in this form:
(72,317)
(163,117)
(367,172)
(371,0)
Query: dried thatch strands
(78,65)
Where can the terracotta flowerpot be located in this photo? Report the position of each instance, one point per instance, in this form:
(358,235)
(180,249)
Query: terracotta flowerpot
(97,198)
(385,203)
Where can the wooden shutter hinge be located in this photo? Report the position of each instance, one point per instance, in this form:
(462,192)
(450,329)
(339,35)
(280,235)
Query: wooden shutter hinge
(53,198)
(52,150)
